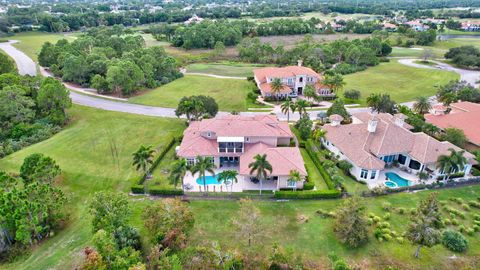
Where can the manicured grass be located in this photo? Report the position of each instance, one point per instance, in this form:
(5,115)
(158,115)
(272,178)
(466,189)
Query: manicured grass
(223,69)
(403,83)
(161,172)
(84,153)
(230,94)
(31,42)
(313,173)
(457,42)
(415,52)
(315,239)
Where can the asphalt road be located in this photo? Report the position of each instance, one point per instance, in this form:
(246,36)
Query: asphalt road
(25,64)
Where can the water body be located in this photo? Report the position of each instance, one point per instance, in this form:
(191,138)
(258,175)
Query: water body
(447,37)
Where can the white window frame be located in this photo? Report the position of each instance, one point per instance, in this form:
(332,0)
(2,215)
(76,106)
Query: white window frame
(362,172)
(191,161)
(291,183)
(373,174)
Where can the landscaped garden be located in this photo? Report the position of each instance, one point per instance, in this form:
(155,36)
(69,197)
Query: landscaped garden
(401,82)
(230,94)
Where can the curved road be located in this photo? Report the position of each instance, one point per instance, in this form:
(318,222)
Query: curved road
(26,66)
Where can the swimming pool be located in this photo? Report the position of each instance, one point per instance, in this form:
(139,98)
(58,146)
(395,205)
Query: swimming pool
(395,180)
(209,180)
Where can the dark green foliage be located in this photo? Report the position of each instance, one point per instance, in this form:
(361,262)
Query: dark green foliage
(6,64)
(338,107)
(351,223)
(38,167)
(196,107)
(304,127)
(381,103)
(137,189)
(352,94)
(454,241)
(457,90)
(164,191)
(467,56)
(310,194)
(310,147)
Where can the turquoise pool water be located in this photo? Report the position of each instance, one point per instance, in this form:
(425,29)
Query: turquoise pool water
(209,180)
(395,180)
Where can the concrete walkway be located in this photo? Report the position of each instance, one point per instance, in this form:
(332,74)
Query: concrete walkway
(25,64)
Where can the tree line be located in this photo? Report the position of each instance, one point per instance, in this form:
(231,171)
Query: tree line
(111,60)
(31,110)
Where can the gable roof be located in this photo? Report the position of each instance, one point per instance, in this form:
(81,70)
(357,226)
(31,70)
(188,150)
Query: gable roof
(261,74)
(464,115)
(364,148)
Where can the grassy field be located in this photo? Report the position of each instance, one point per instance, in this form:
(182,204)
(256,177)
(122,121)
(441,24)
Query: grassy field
(457,42)
(84,152)
(31,42)
(312,170)
(415,52)
(230,94)
(403,83)
(315,239)
(224,69)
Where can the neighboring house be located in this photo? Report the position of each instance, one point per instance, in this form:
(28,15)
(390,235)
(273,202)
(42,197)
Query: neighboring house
(417,26)
(462,115)
(232,141)
(294,80)
(383,150)
(337,27)
(389,27)
(470,26)
(193,19)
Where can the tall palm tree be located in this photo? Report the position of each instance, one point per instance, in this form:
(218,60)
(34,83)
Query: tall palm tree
(451,163)
(310,92)
(302,105)
(277,86)
(203,165)
(179,169)
(288,106)
(422,105)
(143,159)
(430,129)
(228,175)
(335,82)
(260,167)
(295,176)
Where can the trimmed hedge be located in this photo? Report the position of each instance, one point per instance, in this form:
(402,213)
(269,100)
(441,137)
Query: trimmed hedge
(170,142)
(312,194)
(308,186)
(137,189)
(313,155)
(165,191)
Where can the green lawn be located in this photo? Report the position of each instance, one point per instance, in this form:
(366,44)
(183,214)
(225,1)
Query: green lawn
(230,94)
(315,239)
(223,69)
(457,42)
(84,152)
(160,174)
(313,173)
(31,42)
(403,83)
(415,52)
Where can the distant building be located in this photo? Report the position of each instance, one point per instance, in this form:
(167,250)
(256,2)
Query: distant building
(193,19)
(462,115)
(294,80)
(470,26)
(389,27)
(417,26)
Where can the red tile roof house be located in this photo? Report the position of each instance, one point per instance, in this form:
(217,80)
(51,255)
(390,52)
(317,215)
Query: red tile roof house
(373,144)
(233,141)
(463,115)
(294,80)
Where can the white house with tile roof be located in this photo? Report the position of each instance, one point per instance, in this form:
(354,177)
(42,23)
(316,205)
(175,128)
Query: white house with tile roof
(374,143)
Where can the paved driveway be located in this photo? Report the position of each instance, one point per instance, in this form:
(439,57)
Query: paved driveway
(25,64)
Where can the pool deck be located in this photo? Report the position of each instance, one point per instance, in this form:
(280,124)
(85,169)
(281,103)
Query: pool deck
(405,175)
(242,184)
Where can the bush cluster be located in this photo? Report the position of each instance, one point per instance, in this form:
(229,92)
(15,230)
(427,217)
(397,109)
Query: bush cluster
(311,194)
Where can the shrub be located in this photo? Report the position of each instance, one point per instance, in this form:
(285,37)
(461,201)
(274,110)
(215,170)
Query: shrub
(386,206)
(308,186)
(137,189)
(447,222)
(400,240)
(325,214)
(401,210)
(352,94)
(376,219)
(165,191)
(454,241)
(474,204)
(345,166)
(161,154)
(465,207)
(454,221)
(386,216)
(311,194)
(470,231)
(461,228)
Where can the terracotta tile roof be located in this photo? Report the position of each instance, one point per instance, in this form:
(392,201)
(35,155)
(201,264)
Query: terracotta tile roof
(196,143)
(282,159)
(389,25)
(464,116)
(364,148)
(267,88)
(261,74)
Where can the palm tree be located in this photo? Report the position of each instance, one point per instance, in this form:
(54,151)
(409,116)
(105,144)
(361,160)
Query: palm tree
(373,100)
(179,169)
(335,82)
(430,129)
(451,163)
(318,133)
(277,86)
(422,105)
(310,92)
(228,175)
(295,176)
(288,106)
(203,165)
(260,166)
(302,105)
(143,158)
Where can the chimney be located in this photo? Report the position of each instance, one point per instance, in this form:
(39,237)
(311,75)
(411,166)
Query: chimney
(372,124)
(335,120)
(299,63)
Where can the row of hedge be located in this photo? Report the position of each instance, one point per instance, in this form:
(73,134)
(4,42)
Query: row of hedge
(140,189)
(310,194)
(310,147)
(161,154)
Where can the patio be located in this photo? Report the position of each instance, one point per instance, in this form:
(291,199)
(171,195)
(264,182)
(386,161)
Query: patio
(243,183)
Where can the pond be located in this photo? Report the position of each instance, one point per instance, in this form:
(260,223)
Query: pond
(447,37)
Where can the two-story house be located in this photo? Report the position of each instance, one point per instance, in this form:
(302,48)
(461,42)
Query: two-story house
(232,142)
(294,80)
(383,150)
